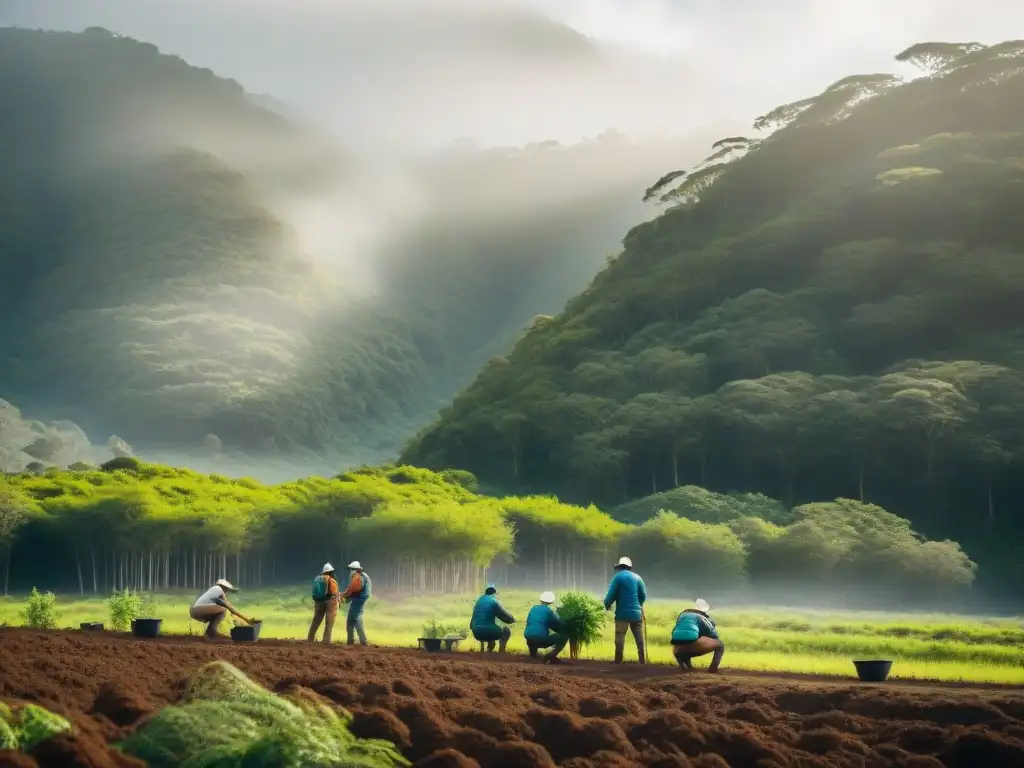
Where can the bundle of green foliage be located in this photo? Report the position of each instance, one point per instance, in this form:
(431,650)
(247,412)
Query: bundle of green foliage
(40,611)
(24,726)
(124,607)
(584,618)
(435,630)
(228,720)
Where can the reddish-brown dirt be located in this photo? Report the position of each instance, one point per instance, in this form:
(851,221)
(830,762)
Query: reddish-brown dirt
(466,710)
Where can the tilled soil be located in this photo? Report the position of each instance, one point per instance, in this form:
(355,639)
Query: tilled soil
(467,710)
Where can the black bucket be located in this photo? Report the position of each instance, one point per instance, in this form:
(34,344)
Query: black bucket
(146,627)
(431,644)
(247,634)
(873,671)
(91,626)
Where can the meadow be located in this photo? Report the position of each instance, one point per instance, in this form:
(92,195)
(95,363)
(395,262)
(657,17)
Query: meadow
(769,639)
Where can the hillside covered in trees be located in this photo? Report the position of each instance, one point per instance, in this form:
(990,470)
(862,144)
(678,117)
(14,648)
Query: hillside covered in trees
(148,527)
(834,309)
(162,279)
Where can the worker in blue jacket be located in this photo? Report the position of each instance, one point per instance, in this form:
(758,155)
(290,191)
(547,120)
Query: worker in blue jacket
(544,629)
(484,623)
(695,634)
(629,594)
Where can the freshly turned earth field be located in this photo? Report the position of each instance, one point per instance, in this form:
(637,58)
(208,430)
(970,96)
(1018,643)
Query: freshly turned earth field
(469,710)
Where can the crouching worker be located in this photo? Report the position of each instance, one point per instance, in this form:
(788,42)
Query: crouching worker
(484,623)
(544,629)
(325,603)
(694,635)
(212,606)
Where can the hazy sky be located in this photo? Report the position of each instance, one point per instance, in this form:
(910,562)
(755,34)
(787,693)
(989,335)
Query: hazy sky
(509,71)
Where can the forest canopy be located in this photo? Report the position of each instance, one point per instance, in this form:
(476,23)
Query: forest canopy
(829,309)
(129,524)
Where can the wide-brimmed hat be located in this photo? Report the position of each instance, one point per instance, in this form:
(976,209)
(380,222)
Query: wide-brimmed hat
(328,568)
(547,597)
(490,589)
(225,584)
(701,605)
(355,566)
(625,562)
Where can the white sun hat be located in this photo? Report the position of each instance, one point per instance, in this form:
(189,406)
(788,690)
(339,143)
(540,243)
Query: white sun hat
(225,584)
(328,568)
(625,561)
(547,597)
(701,605)
(355,566)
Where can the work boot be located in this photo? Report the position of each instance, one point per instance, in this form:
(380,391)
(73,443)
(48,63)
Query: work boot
(618,653)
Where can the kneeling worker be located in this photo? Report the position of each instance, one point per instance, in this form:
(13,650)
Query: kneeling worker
(544,629)
(212,606)
(484,623)
(694,635)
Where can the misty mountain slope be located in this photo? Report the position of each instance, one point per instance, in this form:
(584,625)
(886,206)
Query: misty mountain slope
(176,261)
(834,310)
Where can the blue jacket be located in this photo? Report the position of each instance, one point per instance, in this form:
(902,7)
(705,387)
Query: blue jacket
(629,594)
(486,611)
(691,624)
(540,621)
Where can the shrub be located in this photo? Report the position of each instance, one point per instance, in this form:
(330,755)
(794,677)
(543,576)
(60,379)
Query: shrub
(584,617)
(40,610)
(124,607)
(227,719)
(24,726)
(435,630)
(121,464)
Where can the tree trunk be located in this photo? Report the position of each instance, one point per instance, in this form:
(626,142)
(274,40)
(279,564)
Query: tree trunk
(675,468)
(991,506)
(78,566)
(860,482)
(95,580)
(7,567)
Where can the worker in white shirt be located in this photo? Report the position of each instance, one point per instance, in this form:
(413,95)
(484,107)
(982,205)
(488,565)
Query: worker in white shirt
(212,606)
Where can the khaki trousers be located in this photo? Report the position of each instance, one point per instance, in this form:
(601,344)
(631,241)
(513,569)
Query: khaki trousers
(210,615)
(325,612)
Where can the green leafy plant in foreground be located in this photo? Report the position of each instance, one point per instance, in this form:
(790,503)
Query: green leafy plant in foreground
(40,610)
(228,720)
(24,726)
(583,616)
(124,608)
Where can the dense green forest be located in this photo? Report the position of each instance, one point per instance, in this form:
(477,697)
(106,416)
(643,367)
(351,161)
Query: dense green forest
(833,309)
(153,286)
(147,526)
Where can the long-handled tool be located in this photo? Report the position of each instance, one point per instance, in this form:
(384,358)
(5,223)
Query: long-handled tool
(643,615)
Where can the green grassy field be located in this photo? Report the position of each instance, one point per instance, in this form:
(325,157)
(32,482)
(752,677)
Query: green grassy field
(938,647)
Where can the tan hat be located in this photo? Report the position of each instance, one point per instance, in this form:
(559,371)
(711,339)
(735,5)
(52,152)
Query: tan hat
(547,597)
(355,566)
(225,584)
(701,605)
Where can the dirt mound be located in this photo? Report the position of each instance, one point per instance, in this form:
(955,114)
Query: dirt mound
(469,711)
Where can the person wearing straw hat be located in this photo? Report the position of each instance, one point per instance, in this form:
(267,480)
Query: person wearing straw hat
(695,634)
(212,606)
(325,603)
(629,594)
(487,612)
(544,629)
(357,593)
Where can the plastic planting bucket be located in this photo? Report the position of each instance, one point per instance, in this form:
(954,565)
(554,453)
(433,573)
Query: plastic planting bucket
(146,627)
(247,634)
(87,626)
(873,671)
(432,644)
